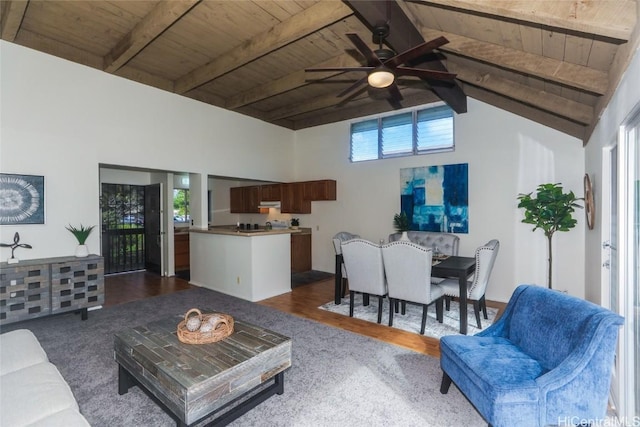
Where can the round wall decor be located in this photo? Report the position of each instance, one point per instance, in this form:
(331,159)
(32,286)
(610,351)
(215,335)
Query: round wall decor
(589,203)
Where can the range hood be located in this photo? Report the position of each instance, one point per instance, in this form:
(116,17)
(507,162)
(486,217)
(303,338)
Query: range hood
(267,205)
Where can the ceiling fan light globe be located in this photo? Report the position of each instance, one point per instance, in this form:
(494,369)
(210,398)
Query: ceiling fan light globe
(381,78)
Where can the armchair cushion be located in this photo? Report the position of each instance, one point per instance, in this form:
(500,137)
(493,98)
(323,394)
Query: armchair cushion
(549,358)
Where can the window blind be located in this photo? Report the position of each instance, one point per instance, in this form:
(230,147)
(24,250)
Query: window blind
(404,134)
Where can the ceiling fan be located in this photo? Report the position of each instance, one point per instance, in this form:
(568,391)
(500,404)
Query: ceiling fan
(384,66)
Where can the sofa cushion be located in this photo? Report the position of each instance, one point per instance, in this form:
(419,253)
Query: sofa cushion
(19,349)
(66,418)
(495,362)
(32,394)
(496,375)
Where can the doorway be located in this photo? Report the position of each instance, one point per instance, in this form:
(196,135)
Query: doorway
(123,242)
(131,238)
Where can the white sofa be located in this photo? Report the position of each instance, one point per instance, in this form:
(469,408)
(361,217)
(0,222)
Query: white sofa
(32,391)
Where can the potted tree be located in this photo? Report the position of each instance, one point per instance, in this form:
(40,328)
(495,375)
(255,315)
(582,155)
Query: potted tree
(81,234)
(401,224)
(551,210)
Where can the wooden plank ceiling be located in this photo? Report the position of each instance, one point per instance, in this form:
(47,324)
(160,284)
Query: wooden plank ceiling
(554,62)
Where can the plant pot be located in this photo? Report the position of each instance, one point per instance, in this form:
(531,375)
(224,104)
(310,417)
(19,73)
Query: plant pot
(294,227)
(404,237)
(82,251)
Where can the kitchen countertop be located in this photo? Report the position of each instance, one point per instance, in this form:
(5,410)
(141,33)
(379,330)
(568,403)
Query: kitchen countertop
(231,231)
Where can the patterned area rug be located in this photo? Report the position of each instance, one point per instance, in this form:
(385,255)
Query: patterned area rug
(410,321)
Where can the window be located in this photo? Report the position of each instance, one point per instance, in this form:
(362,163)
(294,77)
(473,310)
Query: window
(405,134)
(181,205)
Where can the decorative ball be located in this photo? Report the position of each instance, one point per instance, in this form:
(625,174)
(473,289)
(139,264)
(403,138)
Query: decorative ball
(193,323)
(206,327)
(214,319)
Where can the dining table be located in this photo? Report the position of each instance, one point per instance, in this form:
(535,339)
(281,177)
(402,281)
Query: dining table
(462,268)
(451,266)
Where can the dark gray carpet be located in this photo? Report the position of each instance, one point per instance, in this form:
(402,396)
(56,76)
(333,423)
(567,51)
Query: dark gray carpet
(337,378)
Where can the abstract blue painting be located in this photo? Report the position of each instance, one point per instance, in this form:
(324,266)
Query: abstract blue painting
(436,198)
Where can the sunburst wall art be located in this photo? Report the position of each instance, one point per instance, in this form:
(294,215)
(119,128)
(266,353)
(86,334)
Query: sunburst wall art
(436,198)
(21,199)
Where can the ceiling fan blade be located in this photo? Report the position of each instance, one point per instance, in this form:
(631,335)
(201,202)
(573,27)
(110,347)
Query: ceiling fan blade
(358,92)
(416,52)
(353,86)
(394,103)
(340,69)
(371,57)
(395,93)
(424,73)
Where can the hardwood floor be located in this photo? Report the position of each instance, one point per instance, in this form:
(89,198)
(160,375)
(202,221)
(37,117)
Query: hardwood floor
(127,287)
(302,301)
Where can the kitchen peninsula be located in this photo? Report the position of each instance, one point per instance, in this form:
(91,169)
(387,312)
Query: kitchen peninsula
(248,264)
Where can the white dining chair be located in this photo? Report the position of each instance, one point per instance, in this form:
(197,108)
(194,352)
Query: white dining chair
(476,288)
(340,237)
(408,269)
(363,262)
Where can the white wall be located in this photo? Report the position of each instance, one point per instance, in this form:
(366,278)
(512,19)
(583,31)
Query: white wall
(624,100)
(507,155)
(61,120)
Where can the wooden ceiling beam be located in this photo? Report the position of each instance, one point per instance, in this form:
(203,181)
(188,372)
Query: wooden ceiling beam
(144,77)
(528,112)
(546,101)
(289,82)
(164,15)
(12,14)
(605,18)
(314,18)
(404,35)
(333,115)
(314,104)
(571,75)
(56,48)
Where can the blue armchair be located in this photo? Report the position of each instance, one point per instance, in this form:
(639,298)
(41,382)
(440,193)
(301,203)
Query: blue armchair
(547,361)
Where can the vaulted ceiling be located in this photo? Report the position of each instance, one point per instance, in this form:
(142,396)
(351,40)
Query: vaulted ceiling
(554,62)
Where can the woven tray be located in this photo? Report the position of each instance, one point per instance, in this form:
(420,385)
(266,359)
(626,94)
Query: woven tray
(218,327)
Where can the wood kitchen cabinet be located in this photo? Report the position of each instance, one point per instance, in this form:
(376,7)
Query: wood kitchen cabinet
(324,189)
(181,251)
(293,200)
(300,252)
(235,203)
(271,192)
(245,199)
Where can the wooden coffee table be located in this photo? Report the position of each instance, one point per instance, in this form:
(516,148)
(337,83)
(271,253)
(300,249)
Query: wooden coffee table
(193,382)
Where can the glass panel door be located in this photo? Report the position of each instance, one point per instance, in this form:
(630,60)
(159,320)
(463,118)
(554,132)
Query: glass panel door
(629,265)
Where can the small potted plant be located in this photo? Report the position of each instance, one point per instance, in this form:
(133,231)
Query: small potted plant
(401,224)
(81,234)
(295,223)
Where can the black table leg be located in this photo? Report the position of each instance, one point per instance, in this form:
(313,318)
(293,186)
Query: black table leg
(338,283)
(125,380)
